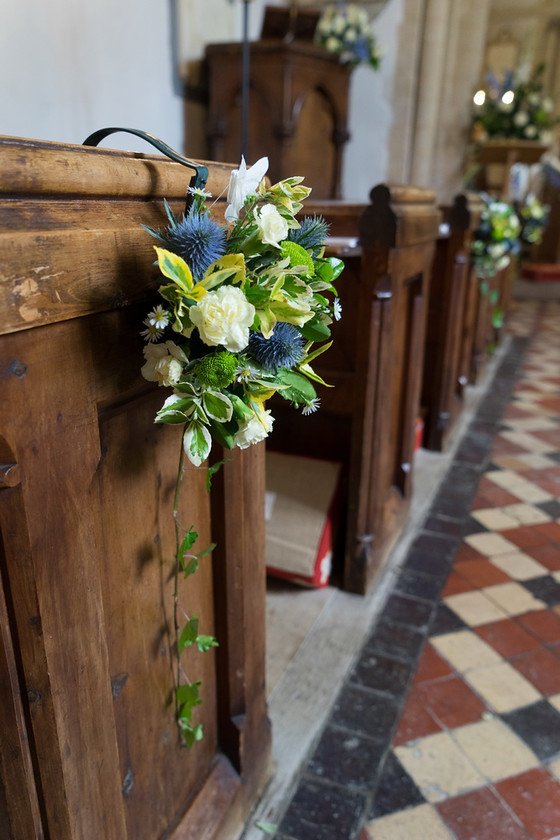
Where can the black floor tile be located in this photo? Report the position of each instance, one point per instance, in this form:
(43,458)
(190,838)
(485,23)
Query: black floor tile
(322,812)
(445,621)
(347,758)
(382,673)
(440,545)
(397,640)
(396,790)
(421,586)
(473,526)
(552,508)
(442,525)
(409,611)
(539,726)
(546,588)
(433,565)
(366,711)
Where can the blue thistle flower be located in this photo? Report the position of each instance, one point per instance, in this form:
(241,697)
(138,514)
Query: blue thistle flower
(196,237)
(284,348)
(311,234)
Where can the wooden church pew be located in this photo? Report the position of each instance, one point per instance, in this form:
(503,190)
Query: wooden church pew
(368,420)
(89,745)
(453,300)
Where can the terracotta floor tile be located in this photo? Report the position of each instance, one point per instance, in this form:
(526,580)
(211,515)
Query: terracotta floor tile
(542,669)
(456,583)
(416,722)
(432,666)
(481,572)
(547,555)
(525,536)
(466,552)
(551,403)
(503,446)
(508,638)
(550,530)
(534,797)
(481,815)
(452,702)
(544,624)
(497,496)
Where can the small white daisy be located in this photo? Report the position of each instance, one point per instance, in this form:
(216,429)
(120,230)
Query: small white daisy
(311,407)
(158,317)
(337,309)
(199,191)
(152,331)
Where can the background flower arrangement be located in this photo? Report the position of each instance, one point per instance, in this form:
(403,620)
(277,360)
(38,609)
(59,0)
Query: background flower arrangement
(345,29)
(245,303)
(513,110)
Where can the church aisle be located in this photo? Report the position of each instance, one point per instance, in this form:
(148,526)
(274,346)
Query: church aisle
(449,725)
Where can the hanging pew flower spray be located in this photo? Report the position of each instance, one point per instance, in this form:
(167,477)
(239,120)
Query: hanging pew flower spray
(247,309)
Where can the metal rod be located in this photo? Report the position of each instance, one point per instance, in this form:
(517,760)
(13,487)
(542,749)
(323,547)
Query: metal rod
(245,82)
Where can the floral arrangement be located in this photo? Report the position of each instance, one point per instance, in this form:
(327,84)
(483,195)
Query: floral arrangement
(513,110)
(345,29)
(245,303)
(534,219)
(495,239)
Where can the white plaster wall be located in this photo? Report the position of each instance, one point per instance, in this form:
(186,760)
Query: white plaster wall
(69,67)
(372,111)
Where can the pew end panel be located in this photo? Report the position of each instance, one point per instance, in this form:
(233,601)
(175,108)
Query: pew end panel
(86,526)
(452,298)
(368,420)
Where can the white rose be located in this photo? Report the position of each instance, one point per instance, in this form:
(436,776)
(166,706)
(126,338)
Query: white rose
(224,317)
(254,430)
(243,182)
(530,131)
(164,363)
(273,227)
(521,118)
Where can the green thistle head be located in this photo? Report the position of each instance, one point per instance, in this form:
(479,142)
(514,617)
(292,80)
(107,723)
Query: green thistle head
(218,370)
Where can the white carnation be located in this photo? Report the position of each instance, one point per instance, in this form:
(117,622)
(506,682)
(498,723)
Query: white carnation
(224,317)
(254,430)
(164,363)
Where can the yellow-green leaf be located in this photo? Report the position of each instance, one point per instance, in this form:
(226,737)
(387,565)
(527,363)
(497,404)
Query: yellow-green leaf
(174,267)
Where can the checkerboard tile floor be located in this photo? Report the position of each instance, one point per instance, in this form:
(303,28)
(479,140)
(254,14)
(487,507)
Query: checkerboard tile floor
(449,726)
